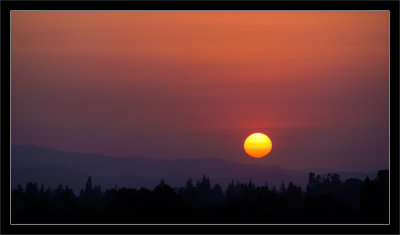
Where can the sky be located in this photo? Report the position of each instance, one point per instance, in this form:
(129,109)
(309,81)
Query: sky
(195,84)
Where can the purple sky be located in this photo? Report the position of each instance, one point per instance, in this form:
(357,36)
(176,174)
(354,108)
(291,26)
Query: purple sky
(196,84)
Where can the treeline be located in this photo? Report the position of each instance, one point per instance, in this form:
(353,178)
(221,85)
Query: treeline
(326,199)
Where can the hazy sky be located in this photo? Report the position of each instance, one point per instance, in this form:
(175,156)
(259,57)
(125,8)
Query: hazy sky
(176,84)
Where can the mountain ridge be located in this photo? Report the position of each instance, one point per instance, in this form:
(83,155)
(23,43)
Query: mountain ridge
(32,163)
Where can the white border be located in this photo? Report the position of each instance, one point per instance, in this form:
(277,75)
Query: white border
(200,10)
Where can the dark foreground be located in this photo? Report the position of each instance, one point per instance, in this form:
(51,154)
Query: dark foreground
(326,199)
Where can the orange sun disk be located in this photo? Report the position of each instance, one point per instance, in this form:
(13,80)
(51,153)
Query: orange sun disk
(257,145)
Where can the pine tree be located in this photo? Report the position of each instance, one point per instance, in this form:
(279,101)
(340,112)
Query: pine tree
(89,185)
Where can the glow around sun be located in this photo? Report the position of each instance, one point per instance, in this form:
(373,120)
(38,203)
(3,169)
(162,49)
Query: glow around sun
(257,145)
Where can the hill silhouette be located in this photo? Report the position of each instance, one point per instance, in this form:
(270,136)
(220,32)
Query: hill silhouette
(51,167)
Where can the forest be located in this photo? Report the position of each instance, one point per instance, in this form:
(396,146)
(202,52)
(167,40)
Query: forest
(326,199)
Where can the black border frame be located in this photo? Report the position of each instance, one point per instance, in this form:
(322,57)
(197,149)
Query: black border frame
(393,6)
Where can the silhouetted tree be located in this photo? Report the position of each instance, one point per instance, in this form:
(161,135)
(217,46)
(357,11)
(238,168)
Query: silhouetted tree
(217,194)
(374,198)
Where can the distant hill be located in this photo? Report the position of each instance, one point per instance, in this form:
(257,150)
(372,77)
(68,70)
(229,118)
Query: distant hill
(51,167)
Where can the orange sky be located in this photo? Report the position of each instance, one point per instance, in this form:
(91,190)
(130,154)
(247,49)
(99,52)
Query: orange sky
(184,84)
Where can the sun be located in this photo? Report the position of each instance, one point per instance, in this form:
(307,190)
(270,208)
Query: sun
(257,145)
